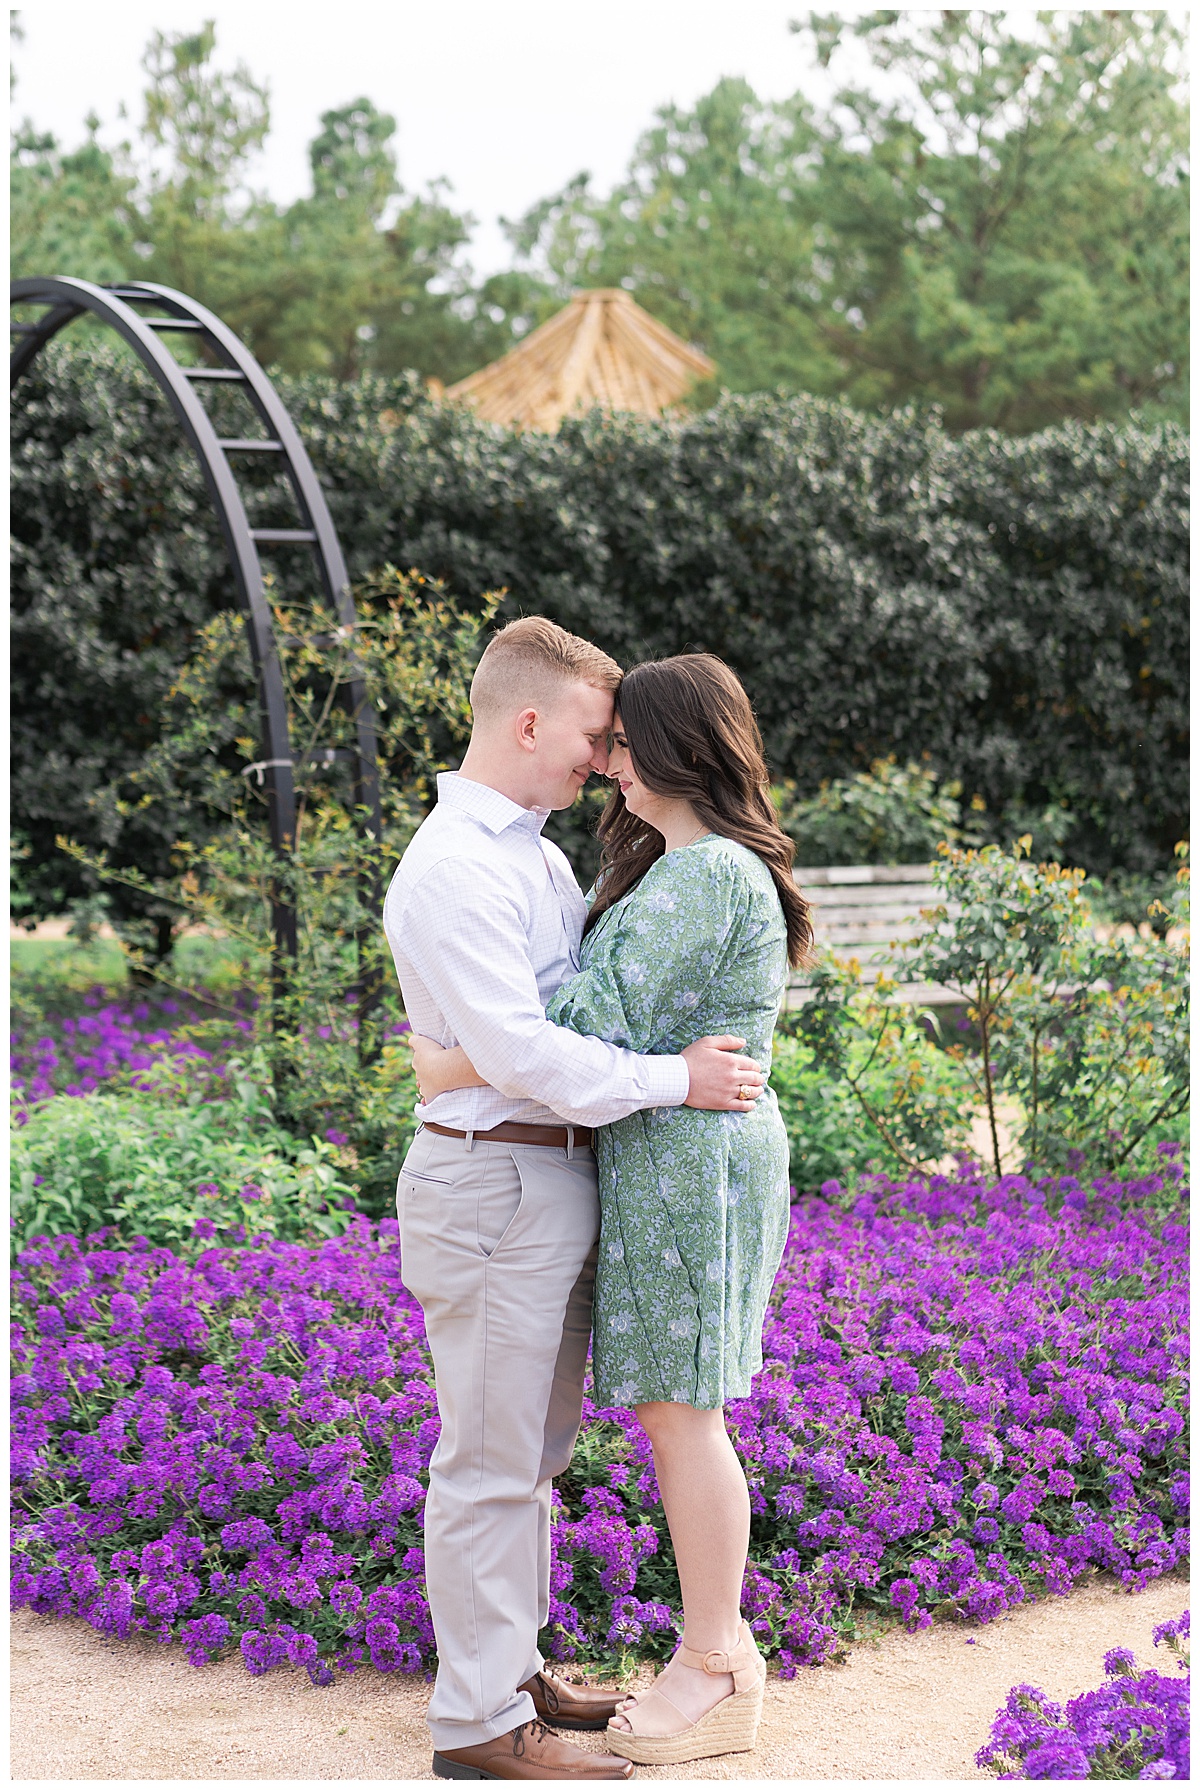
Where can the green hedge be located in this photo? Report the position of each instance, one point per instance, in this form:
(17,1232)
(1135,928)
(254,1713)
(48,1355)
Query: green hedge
(1011,610)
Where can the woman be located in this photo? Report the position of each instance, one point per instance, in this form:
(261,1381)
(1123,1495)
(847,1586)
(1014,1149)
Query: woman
(694,920)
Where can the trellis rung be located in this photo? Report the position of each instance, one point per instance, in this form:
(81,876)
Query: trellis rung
(66,299)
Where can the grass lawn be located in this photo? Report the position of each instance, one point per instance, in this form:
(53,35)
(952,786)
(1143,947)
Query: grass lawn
(213,962)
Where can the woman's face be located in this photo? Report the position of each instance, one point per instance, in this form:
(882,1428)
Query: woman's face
(638,799)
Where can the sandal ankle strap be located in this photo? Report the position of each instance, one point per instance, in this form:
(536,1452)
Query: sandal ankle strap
(741,1661)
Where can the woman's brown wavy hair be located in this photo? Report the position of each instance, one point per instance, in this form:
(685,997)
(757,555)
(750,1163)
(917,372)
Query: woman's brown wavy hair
(692,736)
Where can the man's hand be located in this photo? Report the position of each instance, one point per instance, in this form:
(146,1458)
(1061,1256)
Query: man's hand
(438,1070)
(719,1077)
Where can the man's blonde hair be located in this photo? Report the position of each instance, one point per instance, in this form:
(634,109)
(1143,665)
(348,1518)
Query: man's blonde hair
(522,665)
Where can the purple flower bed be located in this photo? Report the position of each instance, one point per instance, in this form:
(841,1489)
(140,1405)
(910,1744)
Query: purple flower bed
(972,1394)
(75,1054)
(1134,1726)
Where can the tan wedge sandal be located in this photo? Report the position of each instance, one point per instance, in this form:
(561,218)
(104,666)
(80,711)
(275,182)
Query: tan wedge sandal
(730,1726)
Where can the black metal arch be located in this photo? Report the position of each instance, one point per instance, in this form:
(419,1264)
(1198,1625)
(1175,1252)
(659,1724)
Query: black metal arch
(174,313)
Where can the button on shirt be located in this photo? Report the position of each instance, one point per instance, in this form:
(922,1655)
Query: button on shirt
(484,918)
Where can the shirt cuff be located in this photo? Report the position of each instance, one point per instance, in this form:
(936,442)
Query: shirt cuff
(668,1081)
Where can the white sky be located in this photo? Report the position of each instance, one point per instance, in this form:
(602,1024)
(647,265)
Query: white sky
(506,98)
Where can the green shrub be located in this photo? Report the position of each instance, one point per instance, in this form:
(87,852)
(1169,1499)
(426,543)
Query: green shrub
(1129,898)
(1097,1049)
(1089,1037)
(909,1104)
(156,1165)
(891,814)
(1012,612)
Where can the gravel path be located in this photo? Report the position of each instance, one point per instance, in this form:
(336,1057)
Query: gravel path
(907,1707)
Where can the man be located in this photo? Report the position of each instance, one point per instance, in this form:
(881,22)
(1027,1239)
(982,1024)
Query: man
(497,1200)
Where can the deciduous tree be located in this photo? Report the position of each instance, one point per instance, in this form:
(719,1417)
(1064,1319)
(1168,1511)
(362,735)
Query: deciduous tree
(1006,235)
(357,275)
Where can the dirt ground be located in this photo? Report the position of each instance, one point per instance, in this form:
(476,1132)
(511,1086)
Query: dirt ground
(908,1708)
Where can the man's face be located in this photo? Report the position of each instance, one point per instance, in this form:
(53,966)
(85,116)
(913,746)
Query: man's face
(570,741)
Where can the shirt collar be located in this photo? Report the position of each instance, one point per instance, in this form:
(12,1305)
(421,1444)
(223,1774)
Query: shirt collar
(494,811)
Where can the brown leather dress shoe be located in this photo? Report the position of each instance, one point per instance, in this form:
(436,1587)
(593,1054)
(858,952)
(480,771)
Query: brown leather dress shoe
(530,1751)
(568,1705)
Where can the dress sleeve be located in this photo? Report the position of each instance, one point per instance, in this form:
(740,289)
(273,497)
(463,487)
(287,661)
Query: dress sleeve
(660,954)
(465,937)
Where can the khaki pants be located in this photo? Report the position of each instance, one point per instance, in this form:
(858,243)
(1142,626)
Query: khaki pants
(498,1245)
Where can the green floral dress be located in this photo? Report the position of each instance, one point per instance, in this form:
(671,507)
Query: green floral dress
(694,1205)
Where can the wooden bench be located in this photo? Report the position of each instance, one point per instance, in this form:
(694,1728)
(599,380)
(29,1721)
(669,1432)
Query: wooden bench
(864,911)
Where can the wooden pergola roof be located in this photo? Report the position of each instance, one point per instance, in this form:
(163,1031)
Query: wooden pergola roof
(602,348)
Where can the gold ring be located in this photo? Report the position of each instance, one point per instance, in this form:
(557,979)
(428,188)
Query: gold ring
(744,1093)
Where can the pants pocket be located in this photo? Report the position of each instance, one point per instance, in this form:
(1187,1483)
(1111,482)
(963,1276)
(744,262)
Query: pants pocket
(497,1207)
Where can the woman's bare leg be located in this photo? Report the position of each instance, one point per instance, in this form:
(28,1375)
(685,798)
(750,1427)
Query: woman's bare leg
(708,1513)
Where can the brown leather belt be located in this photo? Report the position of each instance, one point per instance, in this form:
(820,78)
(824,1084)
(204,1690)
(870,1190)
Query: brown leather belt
(557,1137)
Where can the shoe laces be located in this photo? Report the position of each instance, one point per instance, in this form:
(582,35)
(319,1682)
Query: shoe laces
(549,1691)
(538,1731)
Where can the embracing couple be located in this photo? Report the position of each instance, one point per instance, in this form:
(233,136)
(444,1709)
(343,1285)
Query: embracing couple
(594,1153)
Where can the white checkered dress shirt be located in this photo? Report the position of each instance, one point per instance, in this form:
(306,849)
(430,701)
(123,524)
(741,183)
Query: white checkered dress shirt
(484,918)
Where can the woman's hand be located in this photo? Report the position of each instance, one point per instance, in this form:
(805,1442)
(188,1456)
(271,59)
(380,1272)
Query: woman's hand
(438,1070)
